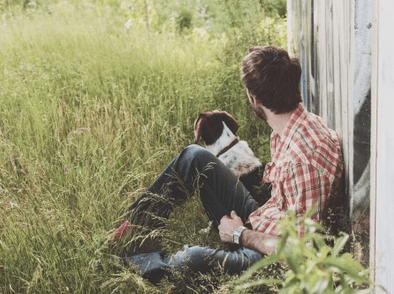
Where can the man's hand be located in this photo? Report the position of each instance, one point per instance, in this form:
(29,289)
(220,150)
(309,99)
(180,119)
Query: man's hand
(262,242)
(228,224)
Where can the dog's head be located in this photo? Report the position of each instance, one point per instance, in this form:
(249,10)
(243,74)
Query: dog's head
(208,126)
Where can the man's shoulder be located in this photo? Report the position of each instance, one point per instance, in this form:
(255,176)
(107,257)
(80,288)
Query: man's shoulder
(315,144)
(313,133)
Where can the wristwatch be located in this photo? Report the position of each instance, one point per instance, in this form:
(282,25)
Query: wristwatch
(237,234)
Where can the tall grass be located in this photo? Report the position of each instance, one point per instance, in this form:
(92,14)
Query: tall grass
(90,113)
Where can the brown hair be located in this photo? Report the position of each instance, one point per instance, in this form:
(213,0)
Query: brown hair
(273,78)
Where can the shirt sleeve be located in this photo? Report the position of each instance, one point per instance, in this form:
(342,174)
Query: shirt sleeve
(297,188)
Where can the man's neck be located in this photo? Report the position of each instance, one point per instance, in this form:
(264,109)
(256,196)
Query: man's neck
(277,122)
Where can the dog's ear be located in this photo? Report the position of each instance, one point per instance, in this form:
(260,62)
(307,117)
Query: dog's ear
(197,128)
(229,121)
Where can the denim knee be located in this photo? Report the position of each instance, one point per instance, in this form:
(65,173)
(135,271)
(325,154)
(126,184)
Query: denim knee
(197,258)
(196,151)
(197,155)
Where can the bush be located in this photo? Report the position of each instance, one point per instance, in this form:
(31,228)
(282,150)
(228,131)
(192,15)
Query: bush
(312,265)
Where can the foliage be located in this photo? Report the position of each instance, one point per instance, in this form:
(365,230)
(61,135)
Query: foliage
(92,110)
(313,266)
(275,7)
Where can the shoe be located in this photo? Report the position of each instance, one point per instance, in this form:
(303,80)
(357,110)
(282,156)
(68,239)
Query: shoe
(152,266)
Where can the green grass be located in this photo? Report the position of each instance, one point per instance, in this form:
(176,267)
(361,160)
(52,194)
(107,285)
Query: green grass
(90,114)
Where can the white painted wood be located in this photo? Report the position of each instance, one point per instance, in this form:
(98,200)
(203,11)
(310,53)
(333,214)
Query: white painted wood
(361,82)
(374,113)
(347,124)
(384,65)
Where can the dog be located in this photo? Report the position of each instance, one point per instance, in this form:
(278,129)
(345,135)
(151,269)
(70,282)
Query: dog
(218,129)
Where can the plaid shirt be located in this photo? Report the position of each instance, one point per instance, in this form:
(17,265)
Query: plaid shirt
(305,169)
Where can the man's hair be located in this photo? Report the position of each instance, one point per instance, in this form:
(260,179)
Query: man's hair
(273,78)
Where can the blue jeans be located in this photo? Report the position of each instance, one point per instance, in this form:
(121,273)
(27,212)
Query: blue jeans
(194,170)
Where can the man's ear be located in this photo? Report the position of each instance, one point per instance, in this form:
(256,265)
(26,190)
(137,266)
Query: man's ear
(252,99)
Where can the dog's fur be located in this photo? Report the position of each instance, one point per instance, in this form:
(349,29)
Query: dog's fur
(217,129)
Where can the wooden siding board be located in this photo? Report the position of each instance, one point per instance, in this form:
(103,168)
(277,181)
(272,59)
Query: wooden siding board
(385,147)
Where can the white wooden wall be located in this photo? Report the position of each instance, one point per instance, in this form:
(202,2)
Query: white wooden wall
(383,149)
(346,52)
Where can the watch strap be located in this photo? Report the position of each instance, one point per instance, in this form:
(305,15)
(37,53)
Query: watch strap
(237,234)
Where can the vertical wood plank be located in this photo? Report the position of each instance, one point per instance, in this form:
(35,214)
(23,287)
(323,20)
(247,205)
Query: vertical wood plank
(384,64)
(374,134)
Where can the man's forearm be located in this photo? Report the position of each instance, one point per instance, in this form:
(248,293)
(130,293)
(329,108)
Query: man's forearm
(262,242)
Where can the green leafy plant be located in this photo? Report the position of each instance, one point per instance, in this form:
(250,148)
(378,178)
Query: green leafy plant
(313,266)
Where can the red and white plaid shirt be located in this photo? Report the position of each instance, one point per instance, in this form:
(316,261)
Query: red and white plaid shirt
(305,169)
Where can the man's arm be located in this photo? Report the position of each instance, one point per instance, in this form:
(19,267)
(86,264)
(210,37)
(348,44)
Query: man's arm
(262,242)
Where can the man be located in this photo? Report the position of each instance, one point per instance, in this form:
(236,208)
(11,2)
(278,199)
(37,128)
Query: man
(305,169)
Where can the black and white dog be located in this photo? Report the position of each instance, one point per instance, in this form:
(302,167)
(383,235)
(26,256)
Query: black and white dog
(217,129)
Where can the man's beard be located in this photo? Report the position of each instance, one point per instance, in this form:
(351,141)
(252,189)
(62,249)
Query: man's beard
(259,112)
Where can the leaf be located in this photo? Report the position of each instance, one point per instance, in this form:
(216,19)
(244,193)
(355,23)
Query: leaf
(294,282)
(321,286)
(293,264)
(310,254)
(346,267)
(339,244)
(324,252)
(320,242)
(282,243)
(344,284)
(310,212)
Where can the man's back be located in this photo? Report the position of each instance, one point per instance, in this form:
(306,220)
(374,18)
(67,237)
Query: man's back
(305,169)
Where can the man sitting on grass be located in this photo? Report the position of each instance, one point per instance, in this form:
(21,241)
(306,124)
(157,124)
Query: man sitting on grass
(305,169)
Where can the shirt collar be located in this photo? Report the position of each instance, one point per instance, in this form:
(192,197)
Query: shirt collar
(292,125)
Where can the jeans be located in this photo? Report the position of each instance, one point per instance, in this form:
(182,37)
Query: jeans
(194,170)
